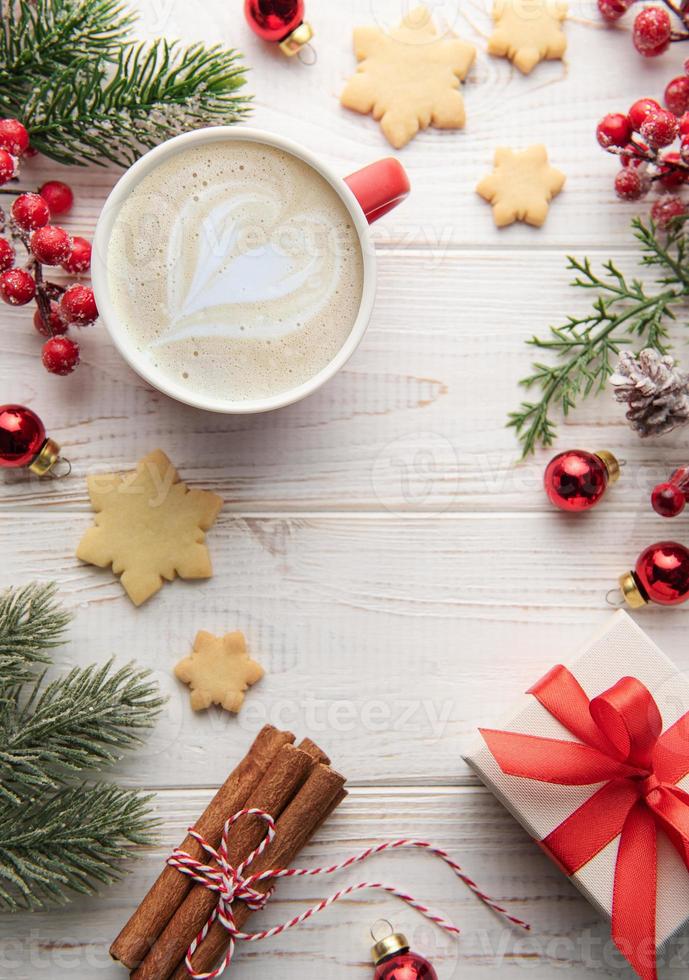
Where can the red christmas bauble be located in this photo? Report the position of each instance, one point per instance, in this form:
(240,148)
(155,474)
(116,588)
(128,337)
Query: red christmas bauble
(405,966)
(661,575)
(273,20)
(662,572)
(22,435)
(576,480)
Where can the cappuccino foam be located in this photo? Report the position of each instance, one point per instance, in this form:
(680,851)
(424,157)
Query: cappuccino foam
(235,270)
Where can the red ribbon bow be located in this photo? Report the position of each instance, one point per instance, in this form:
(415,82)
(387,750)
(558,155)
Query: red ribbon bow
(620,745)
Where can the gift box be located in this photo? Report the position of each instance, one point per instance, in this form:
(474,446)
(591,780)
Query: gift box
(594,763)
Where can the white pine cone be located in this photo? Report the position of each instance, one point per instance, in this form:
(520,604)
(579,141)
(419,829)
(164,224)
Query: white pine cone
(656,392)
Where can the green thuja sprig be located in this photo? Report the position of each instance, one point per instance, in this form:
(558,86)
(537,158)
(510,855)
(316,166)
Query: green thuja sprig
(585,349)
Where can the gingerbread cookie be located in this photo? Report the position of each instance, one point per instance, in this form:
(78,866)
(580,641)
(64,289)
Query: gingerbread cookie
(149,526)
(218,671)
(521,186)
(528,31)
(409,78)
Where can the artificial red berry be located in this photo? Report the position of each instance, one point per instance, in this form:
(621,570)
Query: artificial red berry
(17,287)
(632,156)
(13,137)
(666,208)
(8,166)
(668,500)
(51,245)
(674,175)
(638,112)
(30,212)
(614,129)
(613,9)
(78,305)
(54,325)
(60,355)
(57,196)
(6,255)
(684,149)
(684,124)
(630,185)
(652,31)
(79,259)
(660,128)
(677,95)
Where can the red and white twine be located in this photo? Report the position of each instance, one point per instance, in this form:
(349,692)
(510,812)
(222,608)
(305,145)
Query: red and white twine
(231,884)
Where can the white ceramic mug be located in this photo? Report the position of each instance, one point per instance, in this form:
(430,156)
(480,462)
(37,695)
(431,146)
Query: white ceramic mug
(367,194)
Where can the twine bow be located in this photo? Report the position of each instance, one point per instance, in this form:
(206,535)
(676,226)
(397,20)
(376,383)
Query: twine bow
(621,745)
(232,884)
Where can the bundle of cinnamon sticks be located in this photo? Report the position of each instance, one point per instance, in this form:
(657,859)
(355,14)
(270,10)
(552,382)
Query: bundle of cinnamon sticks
(296,785)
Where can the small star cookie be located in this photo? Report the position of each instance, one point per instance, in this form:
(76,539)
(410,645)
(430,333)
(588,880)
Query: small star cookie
(408,78)
(528,31)
(521,186)
(218,671)
(149,526)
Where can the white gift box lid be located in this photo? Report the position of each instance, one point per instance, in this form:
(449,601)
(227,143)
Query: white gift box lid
(620,649)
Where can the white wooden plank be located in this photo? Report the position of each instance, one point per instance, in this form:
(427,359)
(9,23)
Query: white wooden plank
(558,104)
(388,639)
(566,932)
(415,422)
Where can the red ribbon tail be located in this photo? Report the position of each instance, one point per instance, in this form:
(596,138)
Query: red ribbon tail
(634,896)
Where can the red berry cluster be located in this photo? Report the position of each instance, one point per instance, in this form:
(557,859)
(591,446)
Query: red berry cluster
(653,27)
(642,138)
(57,307)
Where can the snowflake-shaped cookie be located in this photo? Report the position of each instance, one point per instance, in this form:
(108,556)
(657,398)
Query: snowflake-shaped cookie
(409,78)
(218,671)
(528,31)
(521,186)
(149,526)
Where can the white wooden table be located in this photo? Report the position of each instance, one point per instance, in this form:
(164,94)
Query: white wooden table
(398,575)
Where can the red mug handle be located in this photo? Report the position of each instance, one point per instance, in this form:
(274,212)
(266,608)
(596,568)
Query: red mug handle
(380,187)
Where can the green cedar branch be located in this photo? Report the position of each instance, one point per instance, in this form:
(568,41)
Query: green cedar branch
(585,348)
(31,624)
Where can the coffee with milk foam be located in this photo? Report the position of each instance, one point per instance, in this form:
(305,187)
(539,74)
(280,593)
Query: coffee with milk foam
(236,270)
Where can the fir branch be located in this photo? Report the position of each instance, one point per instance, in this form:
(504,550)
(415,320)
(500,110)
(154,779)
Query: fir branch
(72,840)
(86,719)
(31,624)
(38,37)
(586,347)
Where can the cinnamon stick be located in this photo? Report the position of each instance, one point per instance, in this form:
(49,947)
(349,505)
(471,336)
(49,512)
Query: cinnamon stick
(320,794)
(170,888)
(279,785)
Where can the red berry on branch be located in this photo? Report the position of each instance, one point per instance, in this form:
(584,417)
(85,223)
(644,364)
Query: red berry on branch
(54,326)
(684,124)
(57,196)
(8,166)
(79,258)
(60,355)
(612,10)
(17,287)
(666,209)
(6,255)
(652,31)
(614,129)
(30,212)
(660,128)
(630,185)
(677,95)
(632,155)
(13,137)
(50,245)
(78,306)
(640,110)
(673,175)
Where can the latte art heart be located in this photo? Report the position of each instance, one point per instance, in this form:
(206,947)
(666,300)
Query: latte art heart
(236,270)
